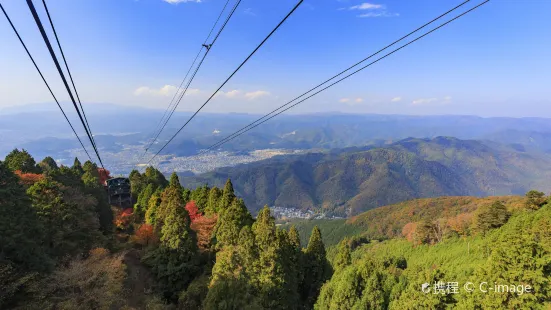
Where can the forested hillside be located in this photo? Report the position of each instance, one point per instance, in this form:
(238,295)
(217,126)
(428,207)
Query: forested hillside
(387,222)
(63,247)
(352,182)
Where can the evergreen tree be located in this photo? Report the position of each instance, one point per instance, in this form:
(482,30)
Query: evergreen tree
(137,183)
(92,186)
(233,275)
(175,262)
(68,216)
(535,200)
(48,164)
(153,204)
(77,167)
(67,176)
(22,161)
(294,238)
(227,197)
(186,194)
(215,195)
(289,262)
(297,254)
(316,269)
(201,196)
(276,286)
(174,180)
(230,223)
(491,216)
(20,230)
(143,201)
(155,177)
(343,257)
(91,168)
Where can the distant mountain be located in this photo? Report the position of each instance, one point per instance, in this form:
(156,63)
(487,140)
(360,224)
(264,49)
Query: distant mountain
(352,182)
(311,131)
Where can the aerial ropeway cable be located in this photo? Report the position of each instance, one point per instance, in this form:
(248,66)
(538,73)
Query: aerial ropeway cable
(62,75)
(229,78)
(44,79)
(288,105)
(181,94)
(68,70)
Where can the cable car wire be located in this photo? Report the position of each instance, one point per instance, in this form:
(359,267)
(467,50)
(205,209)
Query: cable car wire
(62,75)
(229,78)
(339,74)
(257,123)
(44,79)
(157,128)
(208,48)
(68,71)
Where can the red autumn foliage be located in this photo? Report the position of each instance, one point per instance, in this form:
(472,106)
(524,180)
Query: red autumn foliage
(28,179)
(124,218)
(104,175)
(193,211)
(409,231)
(203,227)
(461,223)
(145,235)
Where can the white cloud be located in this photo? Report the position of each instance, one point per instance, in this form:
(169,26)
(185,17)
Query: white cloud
(165,91)
(396,99)
(424,101)
(378,14)
(256,94)
(233,93)
(366,6)
(181,1)
(351,101)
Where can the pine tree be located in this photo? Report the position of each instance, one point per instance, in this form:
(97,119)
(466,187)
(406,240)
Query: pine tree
(154,176)
(68,216)
(201,196)
(77,167)
(233,274)
(22,161)
(316,269)
(343,257)
(491,216)
(48,164)
(294,238)
(175,262)
(227,197)
(91,168)
(215,195)
(230,223)
(535,200)
(143,201)
(21,232)
(92,186)
(152,205)
(297,255)
(174,180)
(137,184)
(276,285)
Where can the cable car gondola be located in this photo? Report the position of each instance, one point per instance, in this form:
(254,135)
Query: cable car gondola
(118,191)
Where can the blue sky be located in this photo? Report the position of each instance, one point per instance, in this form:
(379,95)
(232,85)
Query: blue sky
(492,62)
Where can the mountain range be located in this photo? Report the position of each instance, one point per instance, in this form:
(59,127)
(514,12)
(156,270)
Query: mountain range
(349,182)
